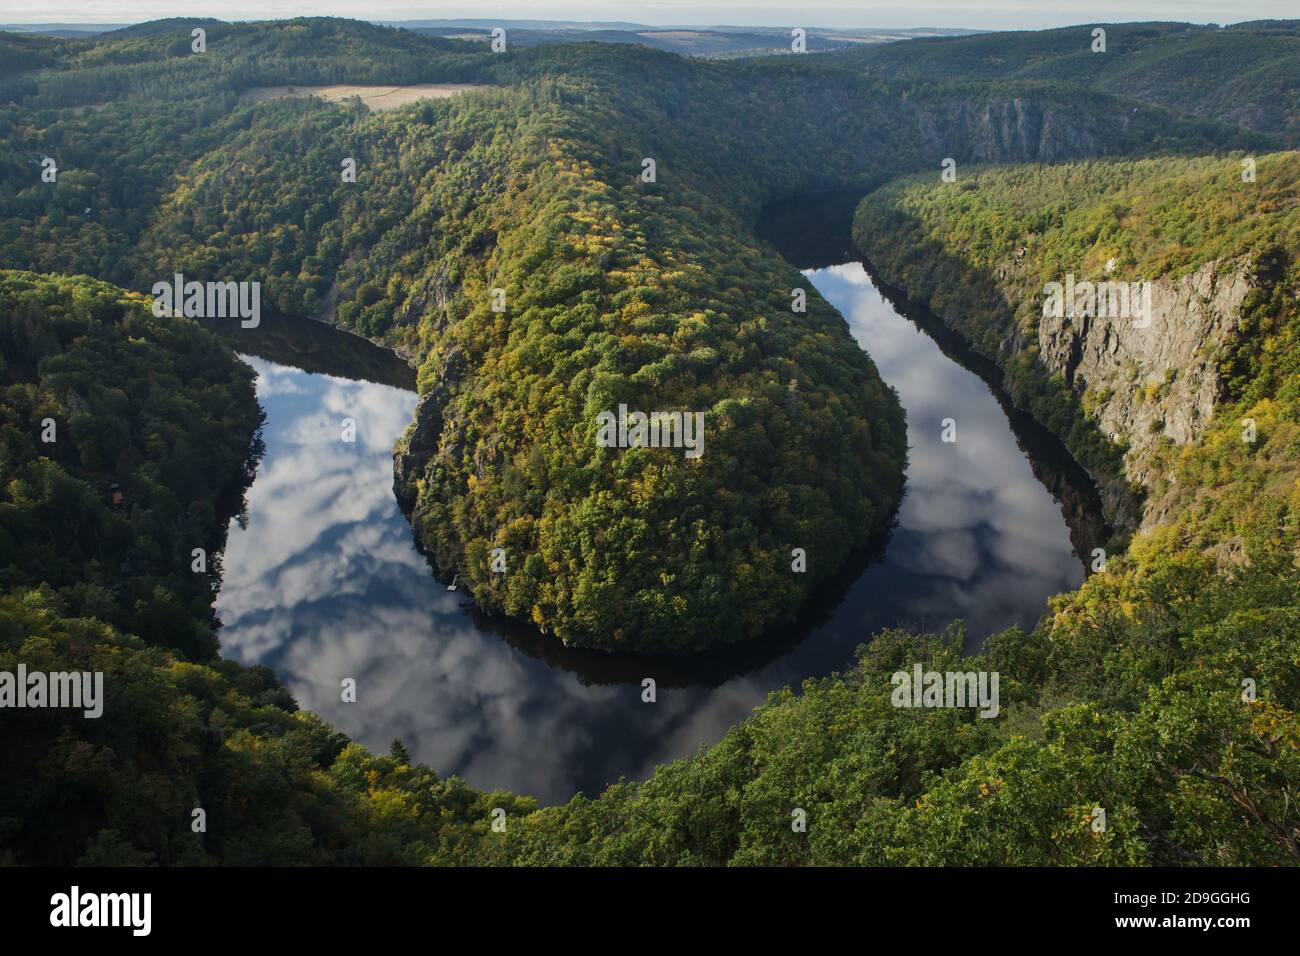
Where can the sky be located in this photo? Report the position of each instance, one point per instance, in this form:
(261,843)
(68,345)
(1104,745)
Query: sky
(975,14)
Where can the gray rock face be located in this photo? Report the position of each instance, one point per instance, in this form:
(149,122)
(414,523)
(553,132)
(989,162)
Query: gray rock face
(1018,130)
(1161,381)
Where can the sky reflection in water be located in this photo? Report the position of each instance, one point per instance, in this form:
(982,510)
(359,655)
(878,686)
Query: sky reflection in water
(325,582)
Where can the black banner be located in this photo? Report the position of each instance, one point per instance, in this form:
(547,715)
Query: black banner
(341,905)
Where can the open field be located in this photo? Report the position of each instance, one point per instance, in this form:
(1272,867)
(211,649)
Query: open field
(375,97)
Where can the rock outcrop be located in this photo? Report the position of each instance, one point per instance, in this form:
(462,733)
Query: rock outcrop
(1147,382)
(1019,129)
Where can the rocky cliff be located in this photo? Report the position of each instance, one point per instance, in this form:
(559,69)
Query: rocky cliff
(1151,381)
(1035,128)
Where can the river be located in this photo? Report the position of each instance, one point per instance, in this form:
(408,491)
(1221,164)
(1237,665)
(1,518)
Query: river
(322,580)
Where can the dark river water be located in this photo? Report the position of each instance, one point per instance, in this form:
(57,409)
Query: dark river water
(322,580)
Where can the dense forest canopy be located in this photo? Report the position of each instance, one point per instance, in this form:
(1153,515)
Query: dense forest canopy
(101,396)
(655,294)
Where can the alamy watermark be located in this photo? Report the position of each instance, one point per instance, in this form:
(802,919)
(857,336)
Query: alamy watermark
(79,690)
(209,300)
(1105,299)
(946,689)
(653,430)
(129,910)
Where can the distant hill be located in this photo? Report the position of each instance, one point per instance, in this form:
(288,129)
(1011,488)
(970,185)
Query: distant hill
(157,27)
(689,40)
(154,58)
(21,53)
(1247,74)
(63,29)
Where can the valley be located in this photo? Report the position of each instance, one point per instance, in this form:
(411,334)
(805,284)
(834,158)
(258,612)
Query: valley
(913,464)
